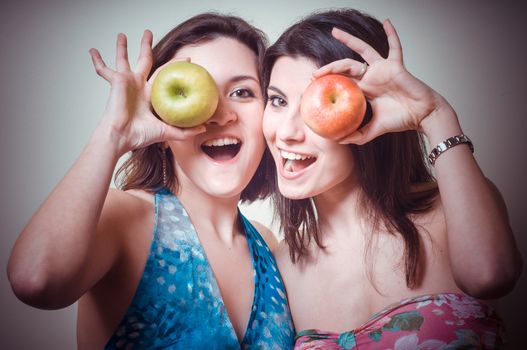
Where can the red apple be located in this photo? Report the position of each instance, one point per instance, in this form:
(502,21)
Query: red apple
(333,106)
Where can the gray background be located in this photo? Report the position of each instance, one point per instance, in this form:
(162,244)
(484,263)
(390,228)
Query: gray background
(472,52)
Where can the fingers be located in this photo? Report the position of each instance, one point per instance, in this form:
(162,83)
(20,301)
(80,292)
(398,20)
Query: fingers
(396,52)
(172,133)
(144,62)
(121,54)
(346,66)
(367,52)
(365,134)
(100,67)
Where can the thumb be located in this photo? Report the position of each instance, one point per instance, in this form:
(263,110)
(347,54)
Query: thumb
(173,133)
(363,135)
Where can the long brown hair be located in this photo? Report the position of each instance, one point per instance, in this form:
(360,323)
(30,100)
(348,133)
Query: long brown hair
(143,169)
(387,166)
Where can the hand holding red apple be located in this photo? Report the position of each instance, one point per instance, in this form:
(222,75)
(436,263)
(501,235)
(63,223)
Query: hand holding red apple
(399,100)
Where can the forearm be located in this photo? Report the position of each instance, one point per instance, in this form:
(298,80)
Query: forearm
(53,248)
(483,253)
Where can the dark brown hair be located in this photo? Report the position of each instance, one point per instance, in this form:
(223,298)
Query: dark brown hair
(387,166)
(144,167)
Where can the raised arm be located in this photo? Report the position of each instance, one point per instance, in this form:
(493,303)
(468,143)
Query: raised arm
(67,247)
(484,258)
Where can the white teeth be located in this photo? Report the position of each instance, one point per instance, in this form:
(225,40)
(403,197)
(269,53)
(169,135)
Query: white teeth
(222,142)
(293,156)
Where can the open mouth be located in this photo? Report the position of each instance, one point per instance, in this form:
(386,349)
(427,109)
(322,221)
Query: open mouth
(222,149)
(294,162)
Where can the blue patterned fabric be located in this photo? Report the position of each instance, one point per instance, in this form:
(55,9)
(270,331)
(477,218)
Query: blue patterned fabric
(178,304)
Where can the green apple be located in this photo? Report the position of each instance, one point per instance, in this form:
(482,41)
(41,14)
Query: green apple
(184,94)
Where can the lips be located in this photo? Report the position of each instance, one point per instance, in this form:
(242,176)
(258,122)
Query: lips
(222,149)
(295,162)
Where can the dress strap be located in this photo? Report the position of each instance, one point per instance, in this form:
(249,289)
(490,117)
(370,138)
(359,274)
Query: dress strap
(270,320)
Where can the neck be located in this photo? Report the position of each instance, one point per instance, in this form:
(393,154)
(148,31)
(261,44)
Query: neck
(210,214)
(339,213)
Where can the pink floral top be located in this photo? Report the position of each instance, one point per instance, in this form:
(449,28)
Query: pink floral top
(439,321)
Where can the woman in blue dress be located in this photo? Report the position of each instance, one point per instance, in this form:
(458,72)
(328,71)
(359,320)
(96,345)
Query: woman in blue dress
(167,260)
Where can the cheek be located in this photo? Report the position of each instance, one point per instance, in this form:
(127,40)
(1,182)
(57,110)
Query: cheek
(254,128)
(184,154)
(342,161)
(252,123)
(268,126)
(251,114)
(180,148)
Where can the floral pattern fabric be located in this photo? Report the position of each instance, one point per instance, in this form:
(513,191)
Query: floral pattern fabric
(178,304)
(441,321)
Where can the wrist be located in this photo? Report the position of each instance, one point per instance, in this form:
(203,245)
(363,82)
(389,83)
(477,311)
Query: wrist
(440,124)
(108,140)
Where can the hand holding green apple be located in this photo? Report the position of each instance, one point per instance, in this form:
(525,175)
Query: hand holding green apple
(128,112)
(184,94)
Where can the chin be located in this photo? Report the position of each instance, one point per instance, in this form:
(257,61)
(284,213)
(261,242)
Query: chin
(225,188)
(294,192)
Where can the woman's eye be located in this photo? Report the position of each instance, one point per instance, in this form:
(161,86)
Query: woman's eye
(277,101)
(242,93)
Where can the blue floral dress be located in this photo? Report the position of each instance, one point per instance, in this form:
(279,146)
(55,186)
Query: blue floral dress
(178,305)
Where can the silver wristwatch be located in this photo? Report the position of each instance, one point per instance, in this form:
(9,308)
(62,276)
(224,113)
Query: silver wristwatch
(447,144)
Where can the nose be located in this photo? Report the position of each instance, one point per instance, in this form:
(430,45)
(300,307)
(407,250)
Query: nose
(292,128)
(223,115)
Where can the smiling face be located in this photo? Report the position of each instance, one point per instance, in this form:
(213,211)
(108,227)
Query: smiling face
(307,164)
(221,161)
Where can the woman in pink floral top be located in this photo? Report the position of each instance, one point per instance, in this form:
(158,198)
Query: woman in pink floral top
(367,225)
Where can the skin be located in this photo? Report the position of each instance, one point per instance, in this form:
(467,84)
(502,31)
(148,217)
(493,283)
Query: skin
(466,241)
(90,244)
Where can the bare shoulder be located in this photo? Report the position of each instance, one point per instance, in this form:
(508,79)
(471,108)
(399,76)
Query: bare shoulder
(288,269)
(124,236)
(127,199)
(124,231)
(123,209)
(266,234)
(129,196)
(281,253)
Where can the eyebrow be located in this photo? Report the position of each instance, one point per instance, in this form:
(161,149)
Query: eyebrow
(277,90)
(238,78)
